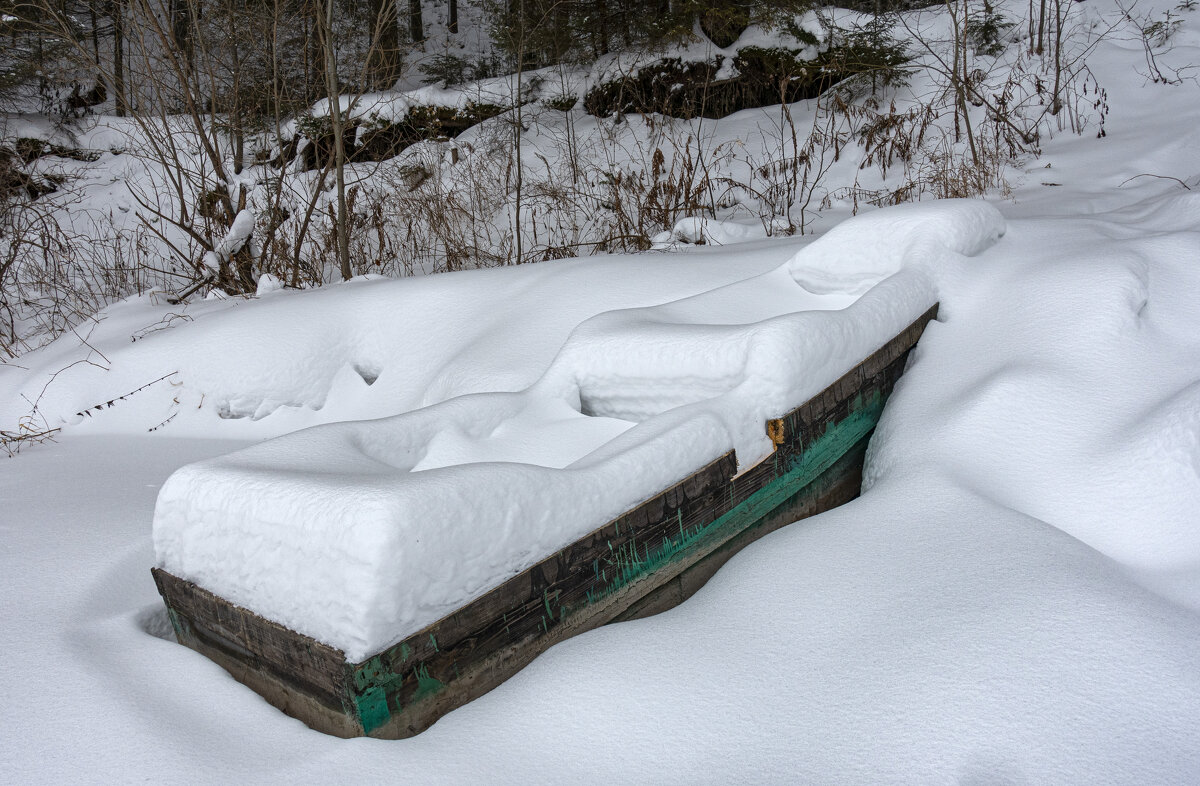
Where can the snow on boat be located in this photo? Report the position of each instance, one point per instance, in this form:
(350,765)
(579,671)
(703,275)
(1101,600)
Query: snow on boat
(368,577)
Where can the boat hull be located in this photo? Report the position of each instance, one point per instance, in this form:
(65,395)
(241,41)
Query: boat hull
(648,560)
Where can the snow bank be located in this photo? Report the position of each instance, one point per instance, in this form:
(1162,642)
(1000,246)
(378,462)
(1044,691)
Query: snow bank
(1085,376)
(394,106)
(858,253)
(369,348)
(563,81)
(358,534)
(699,49)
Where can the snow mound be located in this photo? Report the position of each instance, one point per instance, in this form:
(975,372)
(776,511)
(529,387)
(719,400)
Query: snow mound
(1079,393)
(864,250)
(699,231)
(368,348)
(360,533)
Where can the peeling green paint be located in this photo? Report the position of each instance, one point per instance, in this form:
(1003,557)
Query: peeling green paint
(546,598)
(375,682)
(426,685)
(816,458)
(373,710)
(176,624)
(371,672)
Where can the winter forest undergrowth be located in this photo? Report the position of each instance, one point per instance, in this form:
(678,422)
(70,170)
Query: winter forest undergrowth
(186,149)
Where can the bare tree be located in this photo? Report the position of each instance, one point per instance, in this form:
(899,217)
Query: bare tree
(325,36)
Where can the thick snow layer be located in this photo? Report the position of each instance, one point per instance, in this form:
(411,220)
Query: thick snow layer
(1014,599)
(394,106)
(936,630)
(1112,403)
(367,348)
(359,534)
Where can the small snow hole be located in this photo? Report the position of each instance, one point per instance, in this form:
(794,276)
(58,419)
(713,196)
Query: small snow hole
(154,620)
(369,375)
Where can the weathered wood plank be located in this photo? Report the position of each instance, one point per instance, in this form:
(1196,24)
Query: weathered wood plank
(301,676)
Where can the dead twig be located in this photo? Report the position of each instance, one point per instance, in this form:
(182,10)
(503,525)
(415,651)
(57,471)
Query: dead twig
(1161,177)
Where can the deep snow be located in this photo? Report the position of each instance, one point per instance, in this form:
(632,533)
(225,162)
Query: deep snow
(995,608)
(1015,598)
(360,534)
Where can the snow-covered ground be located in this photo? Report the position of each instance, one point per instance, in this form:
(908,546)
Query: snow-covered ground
(1015,597)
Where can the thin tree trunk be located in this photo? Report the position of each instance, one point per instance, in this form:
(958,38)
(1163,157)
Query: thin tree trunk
(1041,27)
(1056,105)
(966,110)
(452,24)
(383,61)
(955,78)
(239,135)
(95,34)
(1032,29)
(118,12)
(416,26)
(314,63)
(181,28)
(339,144)
(237,120)
(517,135)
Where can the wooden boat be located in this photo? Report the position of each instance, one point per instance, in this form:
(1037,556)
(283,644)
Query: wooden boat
(647,560)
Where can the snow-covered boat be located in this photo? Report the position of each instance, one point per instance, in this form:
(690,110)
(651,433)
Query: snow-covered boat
(647,559)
